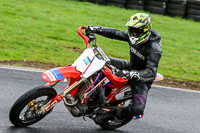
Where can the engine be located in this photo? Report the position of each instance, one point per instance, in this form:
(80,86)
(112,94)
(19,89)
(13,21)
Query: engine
(74,104)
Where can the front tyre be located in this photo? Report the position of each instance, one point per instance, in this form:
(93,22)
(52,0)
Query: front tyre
(24,111)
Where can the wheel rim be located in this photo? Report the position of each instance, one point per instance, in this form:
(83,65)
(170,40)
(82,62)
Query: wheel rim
(30,112)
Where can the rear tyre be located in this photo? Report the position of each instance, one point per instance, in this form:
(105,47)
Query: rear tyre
(24,111)
(113,124)
(116,123)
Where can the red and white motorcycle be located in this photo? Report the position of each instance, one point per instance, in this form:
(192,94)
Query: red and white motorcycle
(91,87)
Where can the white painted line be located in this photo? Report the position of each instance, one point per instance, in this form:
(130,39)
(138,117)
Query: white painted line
(21,68)
(42,70)
(178,89)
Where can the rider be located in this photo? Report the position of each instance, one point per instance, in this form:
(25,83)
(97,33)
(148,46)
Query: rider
(145,53)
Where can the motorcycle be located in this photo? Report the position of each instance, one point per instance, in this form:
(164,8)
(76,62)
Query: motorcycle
(92,87)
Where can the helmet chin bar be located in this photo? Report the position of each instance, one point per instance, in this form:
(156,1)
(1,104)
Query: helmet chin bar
(133,40)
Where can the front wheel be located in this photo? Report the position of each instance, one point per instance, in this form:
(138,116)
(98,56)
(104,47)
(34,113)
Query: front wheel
(24,111)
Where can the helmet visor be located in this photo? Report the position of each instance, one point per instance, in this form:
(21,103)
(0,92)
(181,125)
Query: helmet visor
(136,32)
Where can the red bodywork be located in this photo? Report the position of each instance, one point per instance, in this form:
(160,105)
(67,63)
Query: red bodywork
(58,74)
(119,84)
(85,38)
(117,81)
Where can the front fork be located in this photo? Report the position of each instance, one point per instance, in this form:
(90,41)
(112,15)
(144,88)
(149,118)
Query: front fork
(45,108)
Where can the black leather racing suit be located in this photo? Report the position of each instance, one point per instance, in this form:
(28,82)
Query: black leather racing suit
(145,59)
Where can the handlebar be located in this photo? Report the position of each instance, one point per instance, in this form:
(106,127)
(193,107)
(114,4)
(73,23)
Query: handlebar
(103,55)
(85,38)
(93,39)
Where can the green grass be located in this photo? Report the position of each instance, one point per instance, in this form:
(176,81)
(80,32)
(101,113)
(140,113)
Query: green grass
(39,30)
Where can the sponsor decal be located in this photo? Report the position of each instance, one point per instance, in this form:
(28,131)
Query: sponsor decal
(120,93)
(114,90)
(103,82)
(51,105)
(50,75)
(137,116)
(137,53)
(87,60)
(57,75)
(54,75)
(127,94)
(59,98)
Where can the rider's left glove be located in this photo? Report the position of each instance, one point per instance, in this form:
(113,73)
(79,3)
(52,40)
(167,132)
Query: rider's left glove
(93,29)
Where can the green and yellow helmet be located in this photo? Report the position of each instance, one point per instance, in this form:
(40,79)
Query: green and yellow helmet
(139,26)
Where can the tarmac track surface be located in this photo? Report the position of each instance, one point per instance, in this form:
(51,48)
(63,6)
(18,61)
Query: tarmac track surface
(168,110)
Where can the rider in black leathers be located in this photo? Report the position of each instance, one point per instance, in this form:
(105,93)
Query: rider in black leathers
(145,53)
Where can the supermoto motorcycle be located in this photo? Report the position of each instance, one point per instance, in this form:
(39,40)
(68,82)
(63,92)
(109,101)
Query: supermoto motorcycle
(91,87)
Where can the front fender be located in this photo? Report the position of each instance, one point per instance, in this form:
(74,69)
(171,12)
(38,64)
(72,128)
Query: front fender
(59,73)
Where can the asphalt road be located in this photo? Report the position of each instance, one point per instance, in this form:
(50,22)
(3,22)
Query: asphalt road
(167,110)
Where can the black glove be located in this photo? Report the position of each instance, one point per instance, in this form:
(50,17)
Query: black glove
(93,29)
(122,73)
(134,75)
(128,74)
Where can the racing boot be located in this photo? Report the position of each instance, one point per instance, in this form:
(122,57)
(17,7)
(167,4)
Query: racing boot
(103,117)
(134,111)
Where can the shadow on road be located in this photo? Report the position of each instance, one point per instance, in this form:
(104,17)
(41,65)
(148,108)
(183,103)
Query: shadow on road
(13,129)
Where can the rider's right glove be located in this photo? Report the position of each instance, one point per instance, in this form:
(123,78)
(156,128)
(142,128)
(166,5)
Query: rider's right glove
(133,75)
(93,29)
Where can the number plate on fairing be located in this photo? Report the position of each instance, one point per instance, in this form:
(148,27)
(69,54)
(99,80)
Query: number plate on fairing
(84,60)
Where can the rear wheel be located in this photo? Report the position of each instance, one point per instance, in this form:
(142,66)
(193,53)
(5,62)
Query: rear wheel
(25,111)
(113,124)
(116,123)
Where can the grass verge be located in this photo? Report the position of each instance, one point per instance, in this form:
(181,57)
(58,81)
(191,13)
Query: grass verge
(45,31)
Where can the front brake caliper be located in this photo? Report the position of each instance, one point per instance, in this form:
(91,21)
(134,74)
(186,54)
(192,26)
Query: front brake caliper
(31,103)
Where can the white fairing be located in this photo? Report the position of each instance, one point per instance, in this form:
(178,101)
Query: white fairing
(95,66)
(87,63)
(80,64)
